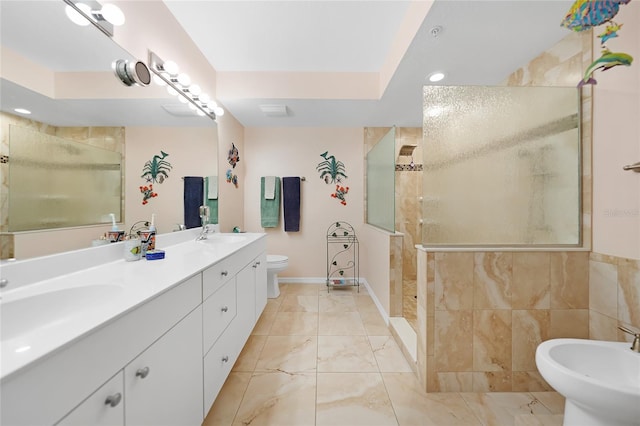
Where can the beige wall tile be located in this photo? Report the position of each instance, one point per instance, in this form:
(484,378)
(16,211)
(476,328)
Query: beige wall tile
(530,328)
(569,280)
(492,280)
(629,295)
(529,381)
(453,340)
(531,284)
(492,381)
(603,288)
(431,284)
(602,327)
(454,281)
(492,340)
(569,323)
(455,382)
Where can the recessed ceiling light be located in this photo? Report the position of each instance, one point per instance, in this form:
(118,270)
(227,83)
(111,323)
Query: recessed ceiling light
(436,76)
(22,111)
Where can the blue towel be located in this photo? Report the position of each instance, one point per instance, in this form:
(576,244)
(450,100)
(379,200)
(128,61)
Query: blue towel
(269,209)
(291,201)
(193,196)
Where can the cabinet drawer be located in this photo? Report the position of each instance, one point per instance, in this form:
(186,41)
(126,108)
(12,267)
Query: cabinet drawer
(218,363)
(218,311)
(217,275)
(104,407)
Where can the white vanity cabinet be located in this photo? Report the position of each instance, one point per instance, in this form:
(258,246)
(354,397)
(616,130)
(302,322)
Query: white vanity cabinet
(105,407)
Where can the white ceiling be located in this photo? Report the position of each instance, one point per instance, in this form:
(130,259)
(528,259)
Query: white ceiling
(481,42)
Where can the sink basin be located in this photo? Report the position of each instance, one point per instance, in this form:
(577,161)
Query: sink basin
(600,380)
(223,239)
(22,315)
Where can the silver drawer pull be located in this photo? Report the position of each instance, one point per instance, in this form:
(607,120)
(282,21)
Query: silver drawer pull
(225,358)
(255,265)
(224,273)
(224,309)
(142,372)
(635,167)
(4,282)
(114,400)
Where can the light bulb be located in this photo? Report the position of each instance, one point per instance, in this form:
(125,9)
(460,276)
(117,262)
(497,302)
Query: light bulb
(22,111)
(170,67)
(113,14)
(195,89)
(218,111)
(182,99)
(76,17)
(212,105)
(436,76)
(158,80)
(184,80)
(171,91)
(204,98)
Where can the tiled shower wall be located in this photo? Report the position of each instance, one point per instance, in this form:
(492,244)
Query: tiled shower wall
(486,312)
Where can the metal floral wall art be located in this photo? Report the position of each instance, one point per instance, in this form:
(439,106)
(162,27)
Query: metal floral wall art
(331,170)
(587,14)
(156,169)
(234,156)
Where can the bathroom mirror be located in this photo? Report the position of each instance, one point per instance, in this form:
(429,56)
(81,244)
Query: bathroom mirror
(63,74)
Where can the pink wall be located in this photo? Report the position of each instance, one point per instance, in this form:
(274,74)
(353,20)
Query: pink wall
(616,142)
(296,152)
(231,205)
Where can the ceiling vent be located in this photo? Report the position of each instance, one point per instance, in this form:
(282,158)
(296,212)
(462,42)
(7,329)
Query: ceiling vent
(274,110)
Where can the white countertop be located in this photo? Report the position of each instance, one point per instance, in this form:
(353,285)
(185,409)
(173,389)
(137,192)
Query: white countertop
(39,317)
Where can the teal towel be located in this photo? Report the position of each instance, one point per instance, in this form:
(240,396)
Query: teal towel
(269,209)
(213,204)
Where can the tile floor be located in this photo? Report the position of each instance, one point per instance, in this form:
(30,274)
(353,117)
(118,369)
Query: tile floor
(318,358)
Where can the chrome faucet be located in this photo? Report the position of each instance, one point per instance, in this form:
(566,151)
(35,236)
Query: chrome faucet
(635,346)
(204,219)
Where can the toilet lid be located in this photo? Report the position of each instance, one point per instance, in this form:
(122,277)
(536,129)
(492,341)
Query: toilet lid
(274,258)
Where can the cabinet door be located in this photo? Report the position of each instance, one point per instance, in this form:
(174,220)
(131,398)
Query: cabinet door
(163,385)
(260,277)
(246,300)
(104,407)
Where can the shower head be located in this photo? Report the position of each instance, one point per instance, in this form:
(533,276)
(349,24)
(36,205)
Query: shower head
(407,150)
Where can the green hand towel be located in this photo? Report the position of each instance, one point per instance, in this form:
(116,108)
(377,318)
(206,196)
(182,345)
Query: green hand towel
(269,209)
(212,204)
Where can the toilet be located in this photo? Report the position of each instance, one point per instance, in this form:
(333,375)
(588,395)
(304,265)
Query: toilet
(275,263)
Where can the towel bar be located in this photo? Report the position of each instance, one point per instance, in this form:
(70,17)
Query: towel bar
(635,167)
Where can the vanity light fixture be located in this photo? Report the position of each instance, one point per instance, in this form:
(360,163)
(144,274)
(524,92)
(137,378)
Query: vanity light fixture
(91,12)
(180,84)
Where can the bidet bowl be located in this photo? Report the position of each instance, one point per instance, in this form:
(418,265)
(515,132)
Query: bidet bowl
(600,380)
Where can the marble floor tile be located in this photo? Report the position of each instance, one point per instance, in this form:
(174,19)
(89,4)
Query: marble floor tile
(413,406)
(289,354)
(345,354)
(226,405)
(273,305)
(249,355)
(299,303)
(309,289)
(552,400)
(388,355)
(501,408)
(340,324)
(539,420)
(264,323)
(278,399)
(373,323)
(334,303)
(295,323)
(353,399)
